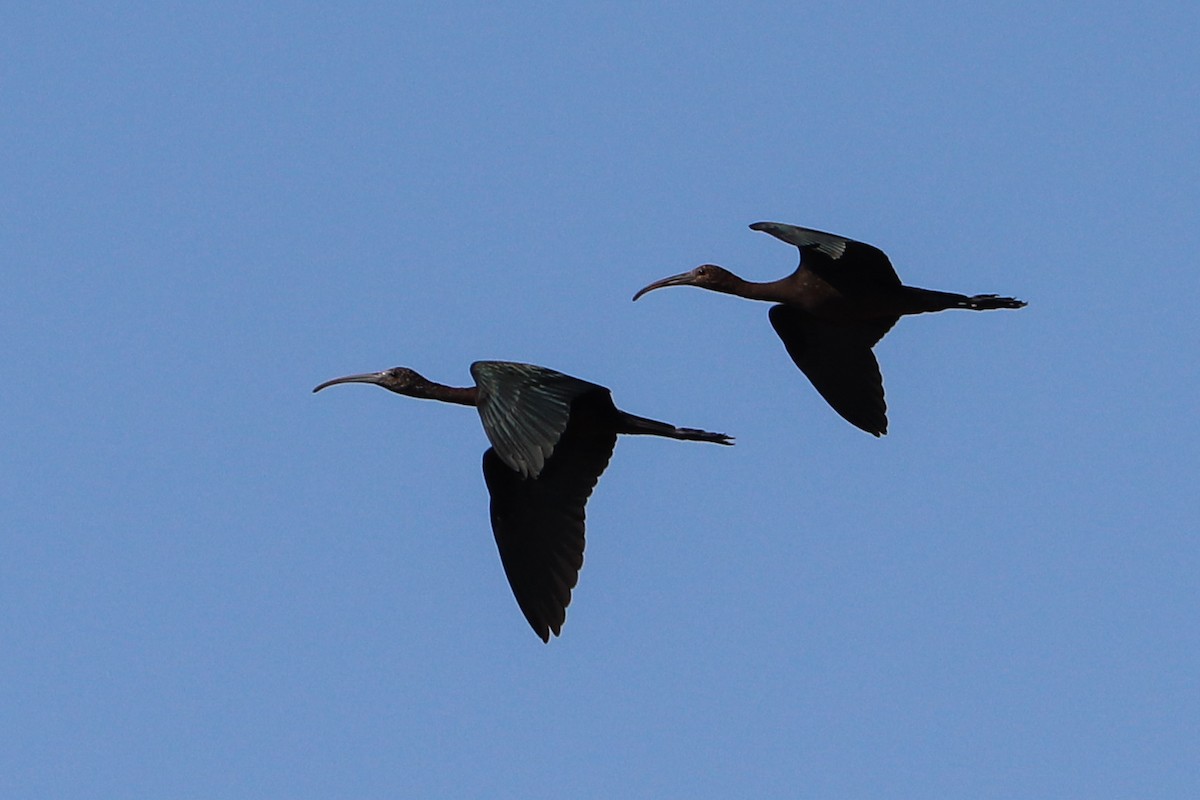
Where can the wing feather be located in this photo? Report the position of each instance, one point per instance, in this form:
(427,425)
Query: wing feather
(538,521)
(837,359)
(525,409)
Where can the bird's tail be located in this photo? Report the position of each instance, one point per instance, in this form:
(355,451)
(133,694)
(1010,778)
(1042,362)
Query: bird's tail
(632,424)
(918,301)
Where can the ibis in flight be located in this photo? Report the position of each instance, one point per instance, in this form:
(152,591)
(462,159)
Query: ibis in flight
(552,436)
(831,311)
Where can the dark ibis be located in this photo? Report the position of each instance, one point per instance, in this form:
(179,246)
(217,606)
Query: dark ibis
(552,435)
(840,301)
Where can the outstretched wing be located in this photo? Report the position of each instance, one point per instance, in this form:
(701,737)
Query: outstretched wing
(839,362)
(854,266)
(525,410)
(539,522)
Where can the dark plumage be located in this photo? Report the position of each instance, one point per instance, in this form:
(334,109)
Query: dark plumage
(552,436)
(842,298)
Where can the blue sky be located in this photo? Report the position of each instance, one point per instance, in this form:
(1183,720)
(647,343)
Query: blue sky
(215,584)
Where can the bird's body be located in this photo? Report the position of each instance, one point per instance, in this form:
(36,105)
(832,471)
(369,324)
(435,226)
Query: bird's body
(552,436)
(842,298)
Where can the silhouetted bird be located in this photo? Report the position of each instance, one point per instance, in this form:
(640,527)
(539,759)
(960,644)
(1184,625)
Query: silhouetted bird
(552,436)
(839,302)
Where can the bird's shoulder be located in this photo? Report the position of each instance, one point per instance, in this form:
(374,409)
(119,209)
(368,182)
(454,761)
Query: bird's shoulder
(498,375)
(823,251)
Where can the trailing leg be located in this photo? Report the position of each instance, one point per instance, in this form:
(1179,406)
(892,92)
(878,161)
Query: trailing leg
(629,423)
(920,301)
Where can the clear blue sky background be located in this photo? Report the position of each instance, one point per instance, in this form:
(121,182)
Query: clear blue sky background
(217,585)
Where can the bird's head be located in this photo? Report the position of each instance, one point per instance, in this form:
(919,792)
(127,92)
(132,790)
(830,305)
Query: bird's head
(706,276)
(400,380)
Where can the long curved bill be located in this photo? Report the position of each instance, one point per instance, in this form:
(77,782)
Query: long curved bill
(682,279)
(362,377)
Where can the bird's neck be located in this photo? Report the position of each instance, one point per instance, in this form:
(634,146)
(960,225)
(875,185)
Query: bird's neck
(772,291)
(463,396)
